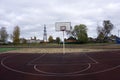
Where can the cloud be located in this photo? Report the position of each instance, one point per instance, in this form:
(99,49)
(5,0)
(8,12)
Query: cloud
(31,15)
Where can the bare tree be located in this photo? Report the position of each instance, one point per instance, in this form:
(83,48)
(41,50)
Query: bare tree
(105,31)
(108,26)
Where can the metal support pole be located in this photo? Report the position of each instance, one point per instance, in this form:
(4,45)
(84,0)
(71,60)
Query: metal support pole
(63,44)
(118,32)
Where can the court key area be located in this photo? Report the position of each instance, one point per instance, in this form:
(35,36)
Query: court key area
(58,66)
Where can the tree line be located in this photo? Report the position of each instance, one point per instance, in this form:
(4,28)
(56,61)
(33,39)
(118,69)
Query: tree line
(79,32)
(103,32)
(15,36)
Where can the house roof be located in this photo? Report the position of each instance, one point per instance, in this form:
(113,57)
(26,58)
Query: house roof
(71,38)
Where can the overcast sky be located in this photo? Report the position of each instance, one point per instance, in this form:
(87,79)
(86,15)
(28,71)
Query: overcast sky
(31,15)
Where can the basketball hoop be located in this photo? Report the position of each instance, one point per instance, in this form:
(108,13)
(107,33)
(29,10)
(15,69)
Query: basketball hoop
(63,26)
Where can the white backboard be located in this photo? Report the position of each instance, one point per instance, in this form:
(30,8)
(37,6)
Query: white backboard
(63,26)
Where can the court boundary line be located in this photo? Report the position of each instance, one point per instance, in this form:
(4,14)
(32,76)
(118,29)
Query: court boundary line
(96,62)
(70,73)
(28,73)
(30,63)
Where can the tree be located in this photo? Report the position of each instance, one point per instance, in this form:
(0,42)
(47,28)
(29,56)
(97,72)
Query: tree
(50,39)
(80,33)
(108,26)
(70,32)
(3,34)
(105,31)
(58,39)
(100,32)
(16,35)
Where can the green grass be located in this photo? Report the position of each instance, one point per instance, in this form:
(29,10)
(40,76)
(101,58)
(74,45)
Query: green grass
(54,45)
(7,49)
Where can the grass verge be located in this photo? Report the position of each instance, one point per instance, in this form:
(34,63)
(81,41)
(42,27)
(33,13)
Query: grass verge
(7,49)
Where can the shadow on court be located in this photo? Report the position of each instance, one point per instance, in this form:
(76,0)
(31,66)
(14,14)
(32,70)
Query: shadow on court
(69,66)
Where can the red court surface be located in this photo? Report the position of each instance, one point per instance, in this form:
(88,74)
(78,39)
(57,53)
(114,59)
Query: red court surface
(69,66)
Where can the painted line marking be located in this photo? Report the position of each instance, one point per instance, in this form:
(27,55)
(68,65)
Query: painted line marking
(30,63)
(29,73)
(70,73)
(96,62)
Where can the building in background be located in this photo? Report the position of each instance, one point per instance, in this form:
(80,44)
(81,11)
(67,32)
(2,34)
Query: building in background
(31,40)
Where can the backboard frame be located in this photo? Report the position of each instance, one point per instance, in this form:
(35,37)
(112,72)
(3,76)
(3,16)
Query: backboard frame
(63,26)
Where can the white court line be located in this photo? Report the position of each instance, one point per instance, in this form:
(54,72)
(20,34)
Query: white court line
(91,58)
(97,72)
(70,73)
(18,71)
(41,74)
(30,63)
